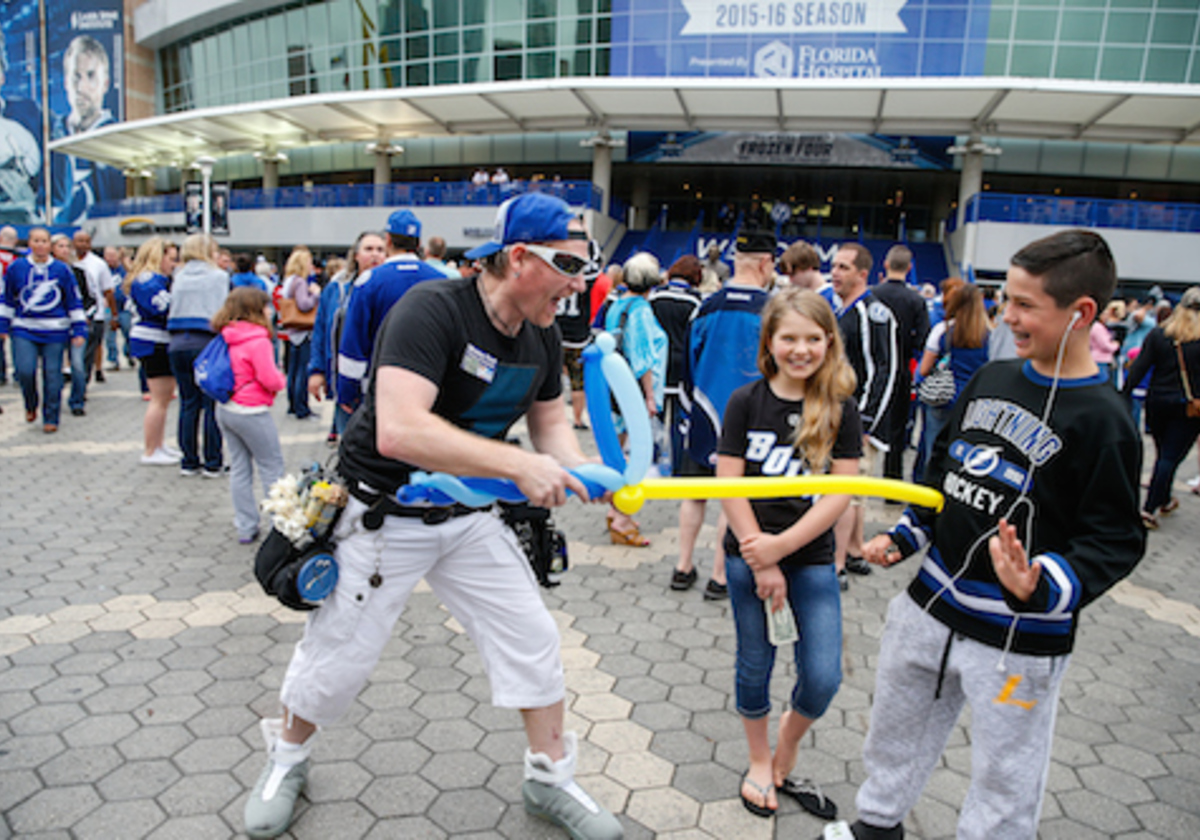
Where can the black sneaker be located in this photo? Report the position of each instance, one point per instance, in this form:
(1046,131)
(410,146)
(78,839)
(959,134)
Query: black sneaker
(78,412)
(716,591)
(843,581)
(683,581)
(858,566)
(99,375)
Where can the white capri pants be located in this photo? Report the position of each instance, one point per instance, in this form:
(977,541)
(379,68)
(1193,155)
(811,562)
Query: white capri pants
(474,565)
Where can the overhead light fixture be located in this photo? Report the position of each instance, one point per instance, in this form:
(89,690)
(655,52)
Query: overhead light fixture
(384,147)
(270,156)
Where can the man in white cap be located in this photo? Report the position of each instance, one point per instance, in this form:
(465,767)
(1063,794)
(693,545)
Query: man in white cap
(456,364)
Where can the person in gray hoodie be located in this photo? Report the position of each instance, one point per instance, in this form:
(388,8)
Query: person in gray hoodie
(197,293)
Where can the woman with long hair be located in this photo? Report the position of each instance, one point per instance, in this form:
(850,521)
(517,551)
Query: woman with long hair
(148,285)
(298,286)
(1171,385)
(961,339)
(368,251)
(197,292)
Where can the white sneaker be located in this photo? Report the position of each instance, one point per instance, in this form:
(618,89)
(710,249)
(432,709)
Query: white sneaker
(172,451)
(160,458)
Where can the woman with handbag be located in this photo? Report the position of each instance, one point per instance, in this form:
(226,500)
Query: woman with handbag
(297,315)
(1171,355)
(954,350)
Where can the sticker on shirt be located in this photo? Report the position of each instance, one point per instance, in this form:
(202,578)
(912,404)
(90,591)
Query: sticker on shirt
(980,461)
(478,363)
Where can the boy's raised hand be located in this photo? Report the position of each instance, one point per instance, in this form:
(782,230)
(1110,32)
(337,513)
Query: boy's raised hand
(1016,573)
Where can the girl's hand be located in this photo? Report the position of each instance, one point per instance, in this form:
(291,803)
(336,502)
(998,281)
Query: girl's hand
(881,551)
(770,583)
(1016,573)
(762,551)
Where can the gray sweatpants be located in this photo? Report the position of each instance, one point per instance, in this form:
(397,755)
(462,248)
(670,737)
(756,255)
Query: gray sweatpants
(251,439)
(1012,725)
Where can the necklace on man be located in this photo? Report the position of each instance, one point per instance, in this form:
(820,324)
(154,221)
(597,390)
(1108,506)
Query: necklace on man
(499,322)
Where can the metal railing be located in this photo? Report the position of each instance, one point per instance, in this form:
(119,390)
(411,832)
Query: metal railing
(1080,212)
(429,194)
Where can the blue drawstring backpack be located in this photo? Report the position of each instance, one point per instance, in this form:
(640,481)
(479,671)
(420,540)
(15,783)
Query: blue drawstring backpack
(213,372)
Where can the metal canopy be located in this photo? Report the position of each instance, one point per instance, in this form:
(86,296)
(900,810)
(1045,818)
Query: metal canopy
(986,106)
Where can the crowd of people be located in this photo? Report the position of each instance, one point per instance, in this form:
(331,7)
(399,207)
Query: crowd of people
(1014,408)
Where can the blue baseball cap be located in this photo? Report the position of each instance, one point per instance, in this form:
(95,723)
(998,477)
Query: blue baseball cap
(404,223)
(529,217)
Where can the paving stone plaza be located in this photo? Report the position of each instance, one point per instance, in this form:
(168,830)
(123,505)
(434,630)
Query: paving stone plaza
(137,655)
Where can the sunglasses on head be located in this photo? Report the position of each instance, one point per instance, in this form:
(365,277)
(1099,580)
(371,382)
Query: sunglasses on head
(564,262)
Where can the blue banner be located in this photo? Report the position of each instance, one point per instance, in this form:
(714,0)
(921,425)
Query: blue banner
(86,71)
(21,170)
(799,38)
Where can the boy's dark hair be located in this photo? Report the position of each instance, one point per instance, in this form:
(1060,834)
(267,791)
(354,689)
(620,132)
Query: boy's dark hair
(244,263)
(1071,264)
(400,242)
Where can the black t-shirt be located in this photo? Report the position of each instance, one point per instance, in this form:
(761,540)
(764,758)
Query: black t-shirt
(486,381)
(574,317)
(759,427)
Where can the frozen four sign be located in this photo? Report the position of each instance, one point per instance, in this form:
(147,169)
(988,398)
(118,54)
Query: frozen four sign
(799,38)
(712,17)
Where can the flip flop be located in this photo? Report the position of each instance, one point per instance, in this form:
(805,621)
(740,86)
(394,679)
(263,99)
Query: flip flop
(754,807)
(1170,507)
(809,795)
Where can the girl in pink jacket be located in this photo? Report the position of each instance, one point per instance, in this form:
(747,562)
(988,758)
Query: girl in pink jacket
(246,422)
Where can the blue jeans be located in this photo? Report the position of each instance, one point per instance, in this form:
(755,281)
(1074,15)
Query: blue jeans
(297,378)
(933,420)
(125,319)
(194,405)
(79,376)
(816,603)
(25,363)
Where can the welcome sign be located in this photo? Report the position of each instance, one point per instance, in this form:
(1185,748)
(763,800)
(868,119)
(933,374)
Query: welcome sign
(799,38)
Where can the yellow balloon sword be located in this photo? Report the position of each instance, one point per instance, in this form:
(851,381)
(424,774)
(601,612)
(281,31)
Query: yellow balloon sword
(629,499)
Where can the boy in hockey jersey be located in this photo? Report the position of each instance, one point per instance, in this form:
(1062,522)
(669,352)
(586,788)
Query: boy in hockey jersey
(1039,464)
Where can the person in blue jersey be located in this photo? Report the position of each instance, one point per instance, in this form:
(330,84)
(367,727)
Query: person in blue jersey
(299,286)
(457,364)
(374,295)
(872,338)
(114,258)
(42,311)
(148,286)
(368,252)
(198,291)
(1040,464)
(722,356)
(674,306)
(243,274)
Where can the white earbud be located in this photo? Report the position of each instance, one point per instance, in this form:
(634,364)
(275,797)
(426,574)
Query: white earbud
(1074,317)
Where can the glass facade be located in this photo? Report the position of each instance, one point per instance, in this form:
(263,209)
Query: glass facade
(1101,40)
(340,45)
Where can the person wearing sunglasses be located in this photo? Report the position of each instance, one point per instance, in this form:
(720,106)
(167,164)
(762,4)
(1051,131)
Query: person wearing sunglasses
(456,364)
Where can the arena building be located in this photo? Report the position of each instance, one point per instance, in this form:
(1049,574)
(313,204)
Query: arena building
(962,126)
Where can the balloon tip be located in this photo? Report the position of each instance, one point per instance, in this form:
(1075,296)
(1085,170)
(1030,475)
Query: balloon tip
(629,500)
(606,343)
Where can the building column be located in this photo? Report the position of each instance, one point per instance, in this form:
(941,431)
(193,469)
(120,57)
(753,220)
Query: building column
(970,183)
(602,173)
(641,204)
(270,175)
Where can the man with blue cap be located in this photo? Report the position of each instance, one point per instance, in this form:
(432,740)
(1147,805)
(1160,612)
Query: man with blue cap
(456,364)
(374,294)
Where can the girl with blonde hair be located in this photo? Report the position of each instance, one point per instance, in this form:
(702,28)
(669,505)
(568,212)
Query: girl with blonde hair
(800,418)
(148,286)
(298,286)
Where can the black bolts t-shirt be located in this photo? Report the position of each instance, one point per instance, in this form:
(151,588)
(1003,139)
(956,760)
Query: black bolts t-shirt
(760,427)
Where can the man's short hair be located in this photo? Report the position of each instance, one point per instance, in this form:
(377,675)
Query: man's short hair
(800,256)
(862,257)
(1071,264)
(87,45)
(8,236)
(436,247)
(400,242)
(243,262)
(898,259)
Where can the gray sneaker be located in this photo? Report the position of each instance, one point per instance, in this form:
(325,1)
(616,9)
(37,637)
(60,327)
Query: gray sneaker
(551,793)
(271,803)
